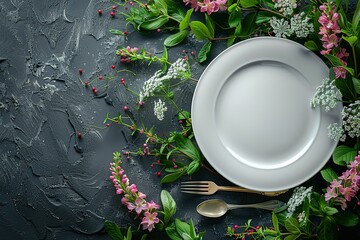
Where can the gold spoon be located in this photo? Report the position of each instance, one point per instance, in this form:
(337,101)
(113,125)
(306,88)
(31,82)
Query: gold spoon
(216,208)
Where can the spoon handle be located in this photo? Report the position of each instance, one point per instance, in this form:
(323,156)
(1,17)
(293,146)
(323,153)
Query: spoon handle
(269,205)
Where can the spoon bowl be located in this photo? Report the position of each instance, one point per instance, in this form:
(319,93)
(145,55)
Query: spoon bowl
(214,208)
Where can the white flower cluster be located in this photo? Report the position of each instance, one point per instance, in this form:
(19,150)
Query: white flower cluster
(177,68)
(297,198)
(301,26)
(326,95)
(351,119)
(151,85)
(336,132)
(159,109)
(301,218)
(159,77)
(280,27)
(298,24)
(286,7)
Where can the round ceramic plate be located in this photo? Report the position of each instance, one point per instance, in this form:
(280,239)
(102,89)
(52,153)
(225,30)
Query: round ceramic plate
(252,117)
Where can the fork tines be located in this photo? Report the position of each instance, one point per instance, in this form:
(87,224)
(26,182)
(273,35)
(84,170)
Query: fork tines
(195,187)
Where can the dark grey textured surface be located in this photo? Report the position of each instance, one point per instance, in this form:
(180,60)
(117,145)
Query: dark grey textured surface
(52,184)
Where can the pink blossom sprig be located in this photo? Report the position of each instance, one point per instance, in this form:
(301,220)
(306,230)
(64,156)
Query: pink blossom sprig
(330,36)
(132,198)
(208,6)
(343,189)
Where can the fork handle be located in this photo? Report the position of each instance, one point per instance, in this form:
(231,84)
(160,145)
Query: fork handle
(241,189)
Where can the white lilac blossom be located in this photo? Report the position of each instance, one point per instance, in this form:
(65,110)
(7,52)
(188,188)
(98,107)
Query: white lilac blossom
(175,71)
(151,84)
(286,7)
(326,95)
(297,198)
(351,119)
(177,68)
(336,132)
(301,26)
(301,218)
(159,109)
(281,27)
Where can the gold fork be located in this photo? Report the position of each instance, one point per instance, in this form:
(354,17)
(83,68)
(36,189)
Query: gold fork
(209,187)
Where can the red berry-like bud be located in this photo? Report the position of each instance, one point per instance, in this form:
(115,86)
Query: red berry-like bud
(151,165)
(100,77)
(95,91)
(81,71)
(86,83)
(79,135)
(108,125)
(123,81)
(113,7)
(112,14)
(113,66)
(99,11)
(93,88)
(158,30)
(126,108)
(158,174)
(158,161)
(126,33)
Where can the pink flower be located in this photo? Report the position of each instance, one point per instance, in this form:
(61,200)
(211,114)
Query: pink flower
(149,220)
(340,72)
(348,193)
(330,193)
(138,206)
(151,206)
(330,42)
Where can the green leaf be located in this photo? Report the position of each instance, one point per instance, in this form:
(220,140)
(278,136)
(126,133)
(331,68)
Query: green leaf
(176,38)
(168,204)
(186,146)
(346,218)
(346,88)
(154,23)
(351,40)
(356,18)
(172,177)
(184,24)
(275,221)
(182,228)
(129,234)
(311,45)
(144,237)
(343,155)
(328,174)
(234,18)
(204,52)
(192,230)
(161,5)
(292,225)
(193,167)
(232,7)
(183,115)
(356,83)
(113,230)
(292,236)
(336,62)
(172,233)
(249,24)
(326,230)
(249,3)
(200,30)
(210,24)
(330,210)
(116,32)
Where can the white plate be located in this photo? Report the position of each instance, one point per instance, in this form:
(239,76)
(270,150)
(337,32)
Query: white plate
(252,117)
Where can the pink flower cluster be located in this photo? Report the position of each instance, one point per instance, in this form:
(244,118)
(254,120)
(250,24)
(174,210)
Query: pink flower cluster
(208,6)
(133,199)
(330,30)
(346,187)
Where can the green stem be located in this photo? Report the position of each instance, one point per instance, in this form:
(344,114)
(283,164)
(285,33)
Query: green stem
(355,61)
